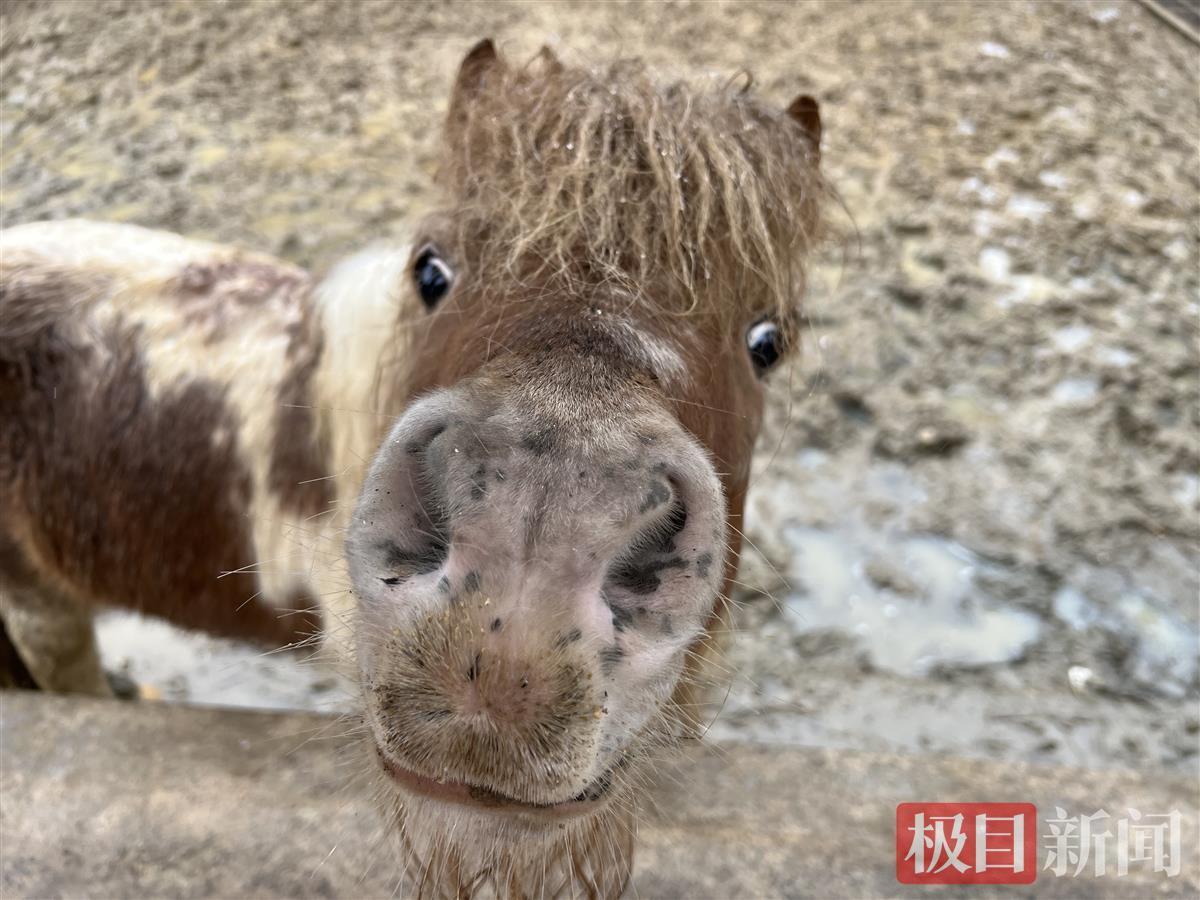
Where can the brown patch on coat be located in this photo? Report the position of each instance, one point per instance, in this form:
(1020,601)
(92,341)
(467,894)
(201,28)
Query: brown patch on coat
(36,345)
(299,470)
(127,500)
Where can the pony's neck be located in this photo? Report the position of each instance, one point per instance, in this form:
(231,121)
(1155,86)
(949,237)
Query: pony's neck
(358,304)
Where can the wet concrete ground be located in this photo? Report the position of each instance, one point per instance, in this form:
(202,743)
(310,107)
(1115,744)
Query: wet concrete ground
(977,508)
(122,800)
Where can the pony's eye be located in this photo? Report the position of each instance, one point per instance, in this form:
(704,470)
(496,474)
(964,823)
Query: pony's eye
(432,276)
(765,343)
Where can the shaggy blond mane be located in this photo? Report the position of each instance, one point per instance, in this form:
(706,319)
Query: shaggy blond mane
(688,198)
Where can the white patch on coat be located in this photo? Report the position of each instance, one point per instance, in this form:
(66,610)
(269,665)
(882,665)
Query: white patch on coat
(360,305)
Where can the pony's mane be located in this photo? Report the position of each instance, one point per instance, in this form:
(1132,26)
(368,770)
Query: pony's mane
(689,198)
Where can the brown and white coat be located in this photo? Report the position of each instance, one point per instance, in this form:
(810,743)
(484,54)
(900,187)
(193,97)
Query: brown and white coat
(507,466)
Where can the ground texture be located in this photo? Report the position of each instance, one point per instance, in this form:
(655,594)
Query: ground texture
(977,511)
(150,800)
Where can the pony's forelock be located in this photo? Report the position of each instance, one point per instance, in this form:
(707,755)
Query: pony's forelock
(687,198)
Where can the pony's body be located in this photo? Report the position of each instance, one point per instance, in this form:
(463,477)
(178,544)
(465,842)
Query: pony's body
(507,465)
(220,406)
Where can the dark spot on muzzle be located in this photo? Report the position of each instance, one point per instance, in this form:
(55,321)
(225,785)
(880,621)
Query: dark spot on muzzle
(479,483)
(539,443)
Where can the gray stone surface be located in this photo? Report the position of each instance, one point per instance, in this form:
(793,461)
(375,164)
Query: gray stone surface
(102,799)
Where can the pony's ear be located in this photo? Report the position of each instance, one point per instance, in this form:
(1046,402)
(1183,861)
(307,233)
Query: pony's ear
(805,110)
(481,63)
(473,72)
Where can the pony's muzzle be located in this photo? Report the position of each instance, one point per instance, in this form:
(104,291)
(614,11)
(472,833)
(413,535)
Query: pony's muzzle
(527,587)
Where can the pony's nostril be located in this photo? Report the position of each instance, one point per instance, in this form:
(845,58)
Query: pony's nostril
(418,443)
(652,553)
(670,526)
(422,557)
(660,493)
(418,541)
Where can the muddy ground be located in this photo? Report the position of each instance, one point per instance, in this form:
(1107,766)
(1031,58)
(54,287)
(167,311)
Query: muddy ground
(977,505)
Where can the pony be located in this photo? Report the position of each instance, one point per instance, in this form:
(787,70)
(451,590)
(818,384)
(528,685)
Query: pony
(501,469)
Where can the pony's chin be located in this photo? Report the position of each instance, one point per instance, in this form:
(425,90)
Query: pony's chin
(456,845)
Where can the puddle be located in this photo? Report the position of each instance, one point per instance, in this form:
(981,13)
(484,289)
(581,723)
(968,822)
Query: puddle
(911,602)
(1164,651)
